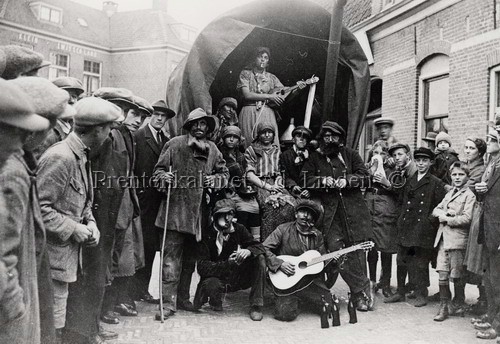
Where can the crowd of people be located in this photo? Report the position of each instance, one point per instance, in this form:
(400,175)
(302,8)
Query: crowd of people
(93,186)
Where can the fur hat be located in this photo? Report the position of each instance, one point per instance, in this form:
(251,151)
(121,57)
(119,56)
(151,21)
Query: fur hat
(49,101)
(442,136)
(17,109)
(228,101)
(92,111)
(16,60)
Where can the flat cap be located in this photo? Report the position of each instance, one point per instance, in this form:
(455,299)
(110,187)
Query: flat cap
(117,94)
(398,145)
(49,101)
(231,130)
(303,130)
(334,127)
(160,105)
(383,120)
(198,114)
(17,110)
(423,152)
(228,101)
(312,206)
(16,61)
(224,206)
(143,105)
(92,111)
(69,83)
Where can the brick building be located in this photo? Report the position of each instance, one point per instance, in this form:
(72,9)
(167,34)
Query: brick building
(136,49)
(435,65)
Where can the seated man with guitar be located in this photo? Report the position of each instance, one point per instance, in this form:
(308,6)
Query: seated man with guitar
(294,239)
(230,259)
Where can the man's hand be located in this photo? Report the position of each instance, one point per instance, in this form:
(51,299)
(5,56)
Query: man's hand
(209,181)
(168,177)
(287,268)
(379,178)
(341,183)
(274,188)
(242,254)
(328,182)
(301,84)
(95,235)
(305,194)
(81,233)
(481,187)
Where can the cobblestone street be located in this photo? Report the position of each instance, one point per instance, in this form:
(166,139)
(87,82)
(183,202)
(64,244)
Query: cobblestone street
(400,323)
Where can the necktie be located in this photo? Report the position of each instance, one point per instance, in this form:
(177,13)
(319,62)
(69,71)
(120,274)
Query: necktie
(159,137)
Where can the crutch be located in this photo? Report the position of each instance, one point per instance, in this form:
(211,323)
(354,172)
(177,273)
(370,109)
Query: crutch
(163,249)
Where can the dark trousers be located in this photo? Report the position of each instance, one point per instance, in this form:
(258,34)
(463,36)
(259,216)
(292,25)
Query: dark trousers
(386,265)
(178,266)
(152,242)
(250,274)
(492,285)
(416,260)
(287,308)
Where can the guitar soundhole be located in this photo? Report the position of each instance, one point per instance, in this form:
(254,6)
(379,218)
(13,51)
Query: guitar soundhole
(302,265)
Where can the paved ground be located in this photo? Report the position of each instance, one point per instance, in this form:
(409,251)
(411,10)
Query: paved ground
(396,323)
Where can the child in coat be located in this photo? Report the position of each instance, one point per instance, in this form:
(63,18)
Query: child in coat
(445,157)
(454,214)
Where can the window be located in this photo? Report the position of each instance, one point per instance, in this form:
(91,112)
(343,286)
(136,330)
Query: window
(59,66)
(46,12)
(433,97)
(91,76)
(494,93)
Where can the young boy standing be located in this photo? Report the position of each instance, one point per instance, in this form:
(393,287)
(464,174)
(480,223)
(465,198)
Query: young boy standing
(416,233)
(454,214)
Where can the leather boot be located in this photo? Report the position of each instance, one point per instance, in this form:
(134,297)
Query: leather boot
(443,310)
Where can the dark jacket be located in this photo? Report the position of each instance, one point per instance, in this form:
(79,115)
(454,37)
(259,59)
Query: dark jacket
(211,264)
(236,165)
(292,167)
(26,295)
(318,167)
(442,164)
(416,226)
(491,208)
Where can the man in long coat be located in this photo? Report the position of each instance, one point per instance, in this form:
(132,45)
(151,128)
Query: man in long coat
(335,174)
(150,140)
(196,166)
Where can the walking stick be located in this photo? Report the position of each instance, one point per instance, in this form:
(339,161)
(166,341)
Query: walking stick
(163,250)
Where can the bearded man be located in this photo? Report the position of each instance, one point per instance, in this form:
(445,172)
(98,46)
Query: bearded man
(334,175)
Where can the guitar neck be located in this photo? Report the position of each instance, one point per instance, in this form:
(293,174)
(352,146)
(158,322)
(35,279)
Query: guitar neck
(332,255)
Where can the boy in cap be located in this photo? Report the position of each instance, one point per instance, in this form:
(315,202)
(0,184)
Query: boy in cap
(66,196)
(292,161)
(196,165)
(293,239)
(150,140)
(230,259)
(445,157)
(416,232)
(384,126)
(22,235)
(16,61)
(334,176)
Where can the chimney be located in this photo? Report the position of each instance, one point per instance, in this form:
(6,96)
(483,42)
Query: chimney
(160,5)
(109,7)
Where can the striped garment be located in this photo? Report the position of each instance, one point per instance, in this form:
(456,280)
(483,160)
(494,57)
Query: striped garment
(264,162)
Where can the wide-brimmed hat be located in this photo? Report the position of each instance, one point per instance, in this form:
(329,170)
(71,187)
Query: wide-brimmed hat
(398,145)
(383,120)
(49,100)
(196,115)
(69,83)
(143,105)
(16,60)
(314,207)
(92,111)
(17,109)
(117,95)
(301,129)
(334,127)
(160,105)
(423,152)
(223,206)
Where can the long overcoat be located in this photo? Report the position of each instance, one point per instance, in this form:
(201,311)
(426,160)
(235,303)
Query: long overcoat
(187,192)
(351,199)
(416,226)
(490,222)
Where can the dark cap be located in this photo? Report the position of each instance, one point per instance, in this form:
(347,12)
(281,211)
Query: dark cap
(198,114)
(160,105)
(303,130)
(423,152)
(223,206)
(334,127)
(314,207)
(231,130)
(398,145)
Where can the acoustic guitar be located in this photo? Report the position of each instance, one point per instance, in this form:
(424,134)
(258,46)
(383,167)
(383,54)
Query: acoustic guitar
(307,266)
(284,92)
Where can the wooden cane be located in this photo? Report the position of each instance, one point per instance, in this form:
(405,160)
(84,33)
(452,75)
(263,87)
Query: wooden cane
(163,250)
